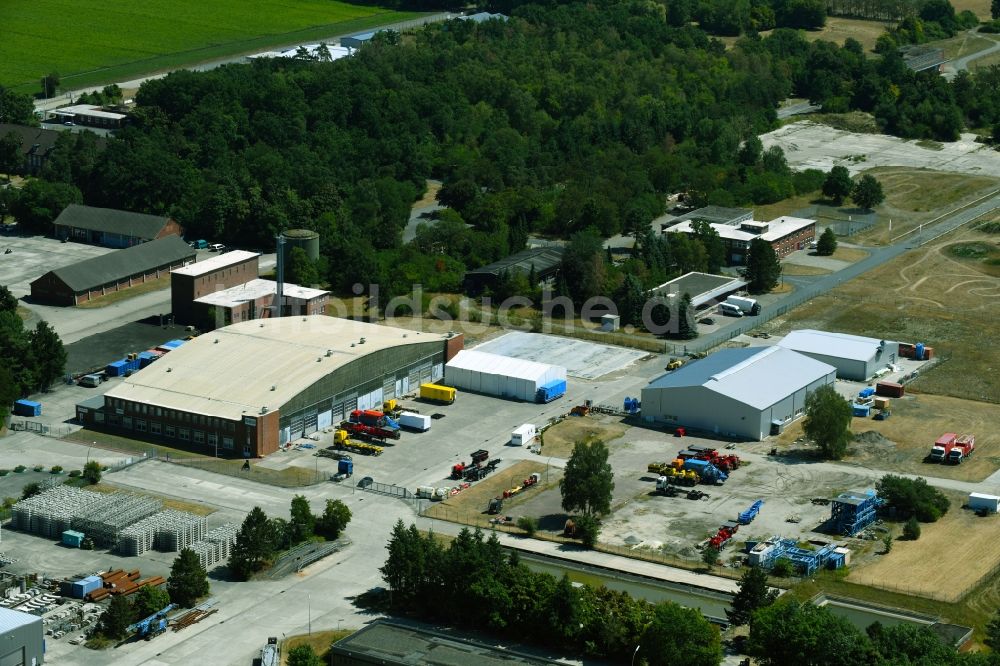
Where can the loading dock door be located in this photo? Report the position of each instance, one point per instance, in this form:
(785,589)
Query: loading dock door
(309,422)
(388,389)
(324,419)
(296,428)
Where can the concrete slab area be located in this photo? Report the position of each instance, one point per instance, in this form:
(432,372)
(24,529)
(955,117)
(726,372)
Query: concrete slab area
(33,256)
(808,145)
(585,360)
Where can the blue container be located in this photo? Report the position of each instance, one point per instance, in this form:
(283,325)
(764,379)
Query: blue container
(550,391)
(862,410)
(172,344)
(345,467)
(84,586)
(867,391)
(27,408)
(116,369)
(72,539)
(145,358)
(918,353)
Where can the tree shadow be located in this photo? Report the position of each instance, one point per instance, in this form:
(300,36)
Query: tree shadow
(374,601)
(553,522)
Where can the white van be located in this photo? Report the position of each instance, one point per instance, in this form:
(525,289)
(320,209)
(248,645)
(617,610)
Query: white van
(216,247)
(90,381)
(730,310)
(524,435)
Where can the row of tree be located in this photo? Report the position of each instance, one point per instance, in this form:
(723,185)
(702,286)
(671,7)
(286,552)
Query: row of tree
(261,539)
(473,583)
(33,359)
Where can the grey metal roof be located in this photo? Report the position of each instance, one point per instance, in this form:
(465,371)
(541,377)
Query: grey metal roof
(755,376)
(544,259)
(702,287)
(12,619)
(110,220)
(123,263)
(838,345)
(717,214)
(93,402)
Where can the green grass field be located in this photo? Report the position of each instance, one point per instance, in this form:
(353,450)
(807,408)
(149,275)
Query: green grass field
(94,44)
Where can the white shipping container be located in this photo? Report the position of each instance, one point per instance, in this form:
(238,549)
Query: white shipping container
(418,422)
(982,501)
(524,435)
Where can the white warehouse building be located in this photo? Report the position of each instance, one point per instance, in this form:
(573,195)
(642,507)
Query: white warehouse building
(502,376)
(744,393)
(854,356)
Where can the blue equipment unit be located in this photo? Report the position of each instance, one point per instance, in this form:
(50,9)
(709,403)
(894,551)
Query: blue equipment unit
(861,410)
(345,467)
(746,517)
(27,408)
(867,391)
(551,391)
(706,470)
(851,512)
(152,625)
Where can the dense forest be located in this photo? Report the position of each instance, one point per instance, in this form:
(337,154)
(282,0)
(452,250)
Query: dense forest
(564,119)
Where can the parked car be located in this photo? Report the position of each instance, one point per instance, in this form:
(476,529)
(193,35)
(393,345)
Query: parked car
(708,321)
(216,247)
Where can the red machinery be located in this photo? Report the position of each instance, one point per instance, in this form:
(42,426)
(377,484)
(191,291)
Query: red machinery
(369,431)
(723,536)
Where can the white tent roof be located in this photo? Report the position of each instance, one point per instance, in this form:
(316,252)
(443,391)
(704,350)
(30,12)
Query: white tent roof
(495,364)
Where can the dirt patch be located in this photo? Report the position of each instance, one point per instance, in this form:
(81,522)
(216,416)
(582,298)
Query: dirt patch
(901,443)
(469,506)
(969,542)
(924,295)
(560,438)
(430,196)
(980,8)
(839,29)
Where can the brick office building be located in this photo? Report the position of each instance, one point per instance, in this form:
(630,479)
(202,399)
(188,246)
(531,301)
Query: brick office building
(786,234)
(206,277)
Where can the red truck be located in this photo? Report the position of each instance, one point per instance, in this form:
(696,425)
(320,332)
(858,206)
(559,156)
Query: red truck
(963,448)
(726,463)
(943,446)
(369,431)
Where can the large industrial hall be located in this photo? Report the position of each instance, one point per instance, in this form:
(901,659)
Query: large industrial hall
(248,388)
(742,393)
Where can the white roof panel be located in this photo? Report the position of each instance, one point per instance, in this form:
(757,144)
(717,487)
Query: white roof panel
(840,345)
(215,263)
(254,289)
(495,364)
(12,619)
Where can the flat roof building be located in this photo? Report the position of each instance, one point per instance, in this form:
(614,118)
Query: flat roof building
(743,393)
(705,289)
(248,388)
(255,299)
(198,280)
(90,115)
(785,234)
(502,376)
(855,357)
(115,271)
(717,215)
(389,643)
(112,228)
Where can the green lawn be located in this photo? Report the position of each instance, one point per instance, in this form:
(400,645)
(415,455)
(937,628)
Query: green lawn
(92,44)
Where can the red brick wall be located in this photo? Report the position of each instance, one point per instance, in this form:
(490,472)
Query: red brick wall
(171,228)
(453,345)
(794,241)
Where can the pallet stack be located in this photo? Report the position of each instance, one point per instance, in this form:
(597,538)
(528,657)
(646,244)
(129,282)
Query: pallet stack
(216,546)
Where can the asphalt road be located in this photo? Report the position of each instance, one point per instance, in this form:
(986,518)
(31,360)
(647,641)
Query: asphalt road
(807,288)
(951,69)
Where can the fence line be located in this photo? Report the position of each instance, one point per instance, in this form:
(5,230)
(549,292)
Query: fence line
(944,215)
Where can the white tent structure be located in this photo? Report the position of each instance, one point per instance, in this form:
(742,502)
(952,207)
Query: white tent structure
(498,375)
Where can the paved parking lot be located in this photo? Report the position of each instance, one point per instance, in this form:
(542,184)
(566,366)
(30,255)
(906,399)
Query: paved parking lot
(33,256)
(585,360)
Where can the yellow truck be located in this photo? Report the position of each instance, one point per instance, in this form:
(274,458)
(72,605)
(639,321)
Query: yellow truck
(437,393)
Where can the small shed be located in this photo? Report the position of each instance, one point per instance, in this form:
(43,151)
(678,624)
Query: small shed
(610,322)
(27,408)
(72,539)
(982,501)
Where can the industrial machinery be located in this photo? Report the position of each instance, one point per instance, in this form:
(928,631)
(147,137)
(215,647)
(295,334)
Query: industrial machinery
(270,654)
(153,625)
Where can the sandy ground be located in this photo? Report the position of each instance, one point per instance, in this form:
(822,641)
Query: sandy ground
(469,506)
(808,145)
(560,438)
(901,443)
(586,360)
(951,557)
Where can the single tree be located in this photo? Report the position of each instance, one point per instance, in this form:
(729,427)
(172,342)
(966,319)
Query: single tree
(254,544)
(828,421)
(912,644)
(11,159)
(30,490)
(50,84)
(838,184)
(323,53)
(303,523)
(750,152)
(47,354)
(588,528)
(763,267)
(715,249)
(867,192)
(782,568)
(303,655)
(993,632)
(710,556)
(911,529)
(587,482)
(912,497)
(795,633)
(8,302)
(92,472)
(148,600)
(753,594)
(678,635)
(334,519)
(630,299)
(687,325)
(188,580)
(116,618)
(887,544)
(301,270)
(8,393)
(827,243)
